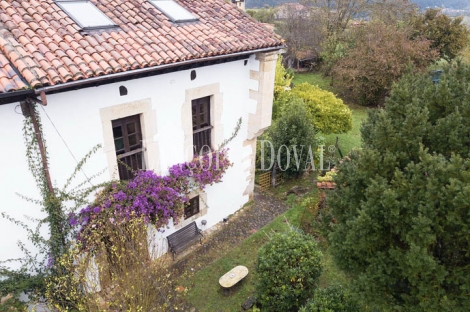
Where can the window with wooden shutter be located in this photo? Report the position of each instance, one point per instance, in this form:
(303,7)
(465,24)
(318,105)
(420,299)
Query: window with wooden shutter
(192,208)
(127,135)
(201,125)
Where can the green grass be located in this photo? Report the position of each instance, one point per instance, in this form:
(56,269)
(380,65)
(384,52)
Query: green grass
(205,293)
(352,138)
(331,274)
(313,79)
(346,141)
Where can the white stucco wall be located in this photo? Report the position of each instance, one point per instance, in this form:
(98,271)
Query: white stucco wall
(15,179)
(74,122)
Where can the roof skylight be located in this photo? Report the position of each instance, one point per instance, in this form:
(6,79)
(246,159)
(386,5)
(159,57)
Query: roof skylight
(175,12)
(85,14)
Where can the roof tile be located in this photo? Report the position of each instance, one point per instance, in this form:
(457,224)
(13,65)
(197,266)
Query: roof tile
(49,48)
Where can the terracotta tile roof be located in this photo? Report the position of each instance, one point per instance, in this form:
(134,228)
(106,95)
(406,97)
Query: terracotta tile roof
(9,79)
(326,185)
(48,47)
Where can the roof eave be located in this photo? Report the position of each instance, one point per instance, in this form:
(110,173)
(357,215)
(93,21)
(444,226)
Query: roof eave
(146,71)
(15,96)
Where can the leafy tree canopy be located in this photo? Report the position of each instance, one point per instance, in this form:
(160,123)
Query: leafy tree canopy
(448,35)
(339,13)
(377,59)
(398,220)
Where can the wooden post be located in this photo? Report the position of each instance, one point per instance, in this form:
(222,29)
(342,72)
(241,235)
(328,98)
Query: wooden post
(42,151)
(273,176)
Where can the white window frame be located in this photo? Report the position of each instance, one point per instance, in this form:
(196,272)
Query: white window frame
(172,17)
(77,20)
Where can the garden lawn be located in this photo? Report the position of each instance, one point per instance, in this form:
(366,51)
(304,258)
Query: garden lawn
(315,79)
(206,294)
(346,141)
(352,138)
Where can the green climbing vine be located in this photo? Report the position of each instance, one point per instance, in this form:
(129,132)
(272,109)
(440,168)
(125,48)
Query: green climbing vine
(35,267)
(59,204)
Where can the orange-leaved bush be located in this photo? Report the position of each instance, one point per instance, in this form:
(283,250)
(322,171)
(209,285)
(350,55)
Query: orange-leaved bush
(380,56)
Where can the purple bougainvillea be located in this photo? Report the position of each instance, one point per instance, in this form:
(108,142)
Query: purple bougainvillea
(155,198)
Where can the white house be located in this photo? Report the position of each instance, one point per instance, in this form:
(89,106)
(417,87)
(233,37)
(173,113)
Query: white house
(129,75)
(240,4)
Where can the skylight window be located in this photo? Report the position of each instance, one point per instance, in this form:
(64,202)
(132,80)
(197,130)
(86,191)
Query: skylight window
(85,14)
(175,12)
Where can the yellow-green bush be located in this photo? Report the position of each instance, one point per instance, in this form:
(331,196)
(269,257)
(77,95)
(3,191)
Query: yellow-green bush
(282,79)
(329,177)
(329,113)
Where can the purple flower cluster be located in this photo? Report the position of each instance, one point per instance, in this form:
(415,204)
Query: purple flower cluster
(209,168)
(153,197)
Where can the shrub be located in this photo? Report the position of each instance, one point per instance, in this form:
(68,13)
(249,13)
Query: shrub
(156,198)
(331,299)
(281,102)
(289,266)
(329,177)
(329,113)
(293,136)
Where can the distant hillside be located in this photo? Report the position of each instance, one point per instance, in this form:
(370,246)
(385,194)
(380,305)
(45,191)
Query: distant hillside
(250,4)
(453,4)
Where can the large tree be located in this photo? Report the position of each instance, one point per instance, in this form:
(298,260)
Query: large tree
(399,219)
(448,35)
(379,56)
(302,30)
(338,13)
(393,12)
(390,13)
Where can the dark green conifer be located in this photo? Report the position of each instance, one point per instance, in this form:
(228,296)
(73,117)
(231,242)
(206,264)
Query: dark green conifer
(399,220)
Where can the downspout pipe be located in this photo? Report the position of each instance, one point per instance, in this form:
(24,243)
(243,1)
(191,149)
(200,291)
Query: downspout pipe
(147,70)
